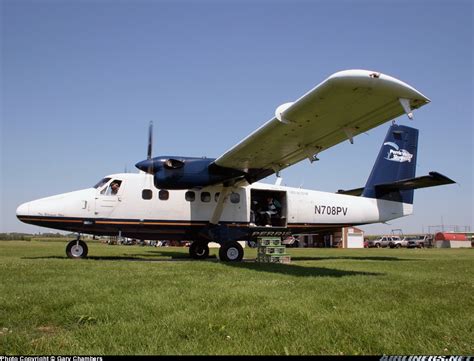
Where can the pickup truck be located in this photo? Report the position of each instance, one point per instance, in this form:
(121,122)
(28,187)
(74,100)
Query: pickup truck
(398,242)
(419,242)
(384,241)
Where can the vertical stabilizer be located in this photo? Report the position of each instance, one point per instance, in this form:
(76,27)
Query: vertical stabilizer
(396,161)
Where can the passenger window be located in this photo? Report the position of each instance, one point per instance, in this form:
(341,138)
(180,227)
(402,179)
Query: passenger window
(205,197)
(234,197)
(147,194)
(190,196)
(163,195)
(216,196)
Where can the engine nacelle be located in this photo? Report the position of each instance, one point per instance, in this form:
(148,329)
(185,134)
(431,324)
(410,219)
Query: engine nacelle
(186,172)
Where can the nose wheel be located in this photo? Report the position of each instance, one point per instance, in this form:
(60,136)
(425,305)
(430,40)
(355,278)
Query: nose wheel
(76,249)
(199,250)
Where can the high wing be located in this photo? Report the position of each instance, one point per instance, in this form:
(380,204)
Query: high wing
(342,106)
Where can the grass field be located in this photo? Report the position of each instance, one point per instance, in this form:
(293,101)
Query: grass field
(144,300)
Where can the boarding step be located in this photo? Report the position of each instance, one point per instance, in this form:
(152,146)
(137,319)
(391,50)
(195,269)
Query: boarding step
(274,258)
(268,241)
(270,250)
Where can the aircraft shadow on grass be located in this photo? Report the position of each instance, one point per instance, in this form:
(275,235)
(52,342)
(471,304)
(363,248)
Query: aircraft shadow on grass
(299,271)
(249,264)
(147,256)
(373,258)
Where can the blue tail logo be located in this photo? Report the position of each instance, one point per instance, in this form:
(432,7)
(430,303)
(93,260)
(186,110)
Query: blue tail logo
(396,154)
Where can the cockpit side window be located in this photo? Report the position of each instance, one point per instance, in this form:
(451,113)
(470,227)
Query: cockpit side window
(101,182)
(113,188)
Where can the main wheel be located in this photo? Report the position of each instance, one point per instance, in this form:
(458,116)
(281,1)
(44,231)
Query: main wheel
(231,252)
(199,250)
(76,249)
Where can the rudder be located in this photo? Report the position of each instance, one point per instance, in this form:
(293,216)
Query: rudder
(395,161)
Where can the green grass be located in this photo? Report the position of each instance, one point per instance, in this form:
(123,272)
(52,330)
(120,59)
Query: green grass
(144,300)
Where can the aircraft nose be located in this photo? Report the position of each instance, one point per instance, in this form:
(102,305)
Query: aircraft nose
(23,209)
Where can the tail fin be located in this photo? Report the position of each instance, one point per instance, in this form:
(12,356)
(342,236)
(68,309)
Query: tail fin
(396,161)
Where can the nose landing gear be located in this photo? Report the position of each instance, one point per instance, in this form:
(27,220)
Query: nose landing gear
(199,250)
(77,249)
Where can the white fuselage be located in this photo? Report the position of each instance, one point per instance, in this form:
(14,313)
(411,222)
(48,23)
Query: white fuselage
(140,210)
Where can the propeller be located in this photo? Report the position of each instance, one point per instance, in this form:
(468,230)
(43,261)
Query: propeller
(147,165)
(150,148)
(150,140)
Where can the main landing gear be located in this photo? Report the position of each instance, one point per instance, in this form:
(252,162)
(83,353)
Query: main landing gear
(77,249)
(229,251)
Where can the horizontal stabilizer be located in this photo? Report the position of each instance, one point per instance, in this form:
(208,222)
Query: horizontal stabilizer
(351,192)
(431,180)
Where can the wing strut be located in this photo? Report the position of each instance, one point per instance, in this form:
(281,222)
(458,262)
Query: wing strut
(216,215)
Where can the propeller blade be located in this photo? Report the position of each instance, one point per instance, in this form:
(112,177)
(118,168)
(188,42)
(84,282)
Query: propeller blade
(147,165)
(150,140)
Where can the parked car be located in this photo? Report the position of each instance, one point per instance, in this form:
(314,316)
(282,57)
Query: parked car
(398,242)
(419,242)
(384,241)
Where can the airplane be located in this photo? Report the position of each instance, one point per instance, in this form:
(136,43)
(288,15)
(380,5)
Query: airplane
(220,199)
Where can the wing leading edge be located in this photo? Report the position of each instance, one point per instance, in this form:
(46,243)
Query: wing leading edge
(342,106)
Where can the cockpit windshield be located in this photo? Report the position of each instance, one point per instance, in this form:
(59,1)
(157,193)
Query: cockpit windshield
(102,182)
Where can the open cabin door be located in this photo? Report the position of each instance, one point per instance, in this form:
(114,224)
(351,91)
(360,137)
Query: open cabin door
(268,208)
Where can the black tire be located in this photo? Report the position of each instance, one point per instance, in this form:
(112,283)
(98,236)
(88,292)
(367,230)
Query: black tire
(398,245)
(231,252)
(296,244)
(199,250)
(77,249)
(377,245)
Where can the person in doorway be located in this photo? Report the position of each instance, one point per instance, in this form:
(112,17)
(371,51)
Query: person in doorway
(271,209)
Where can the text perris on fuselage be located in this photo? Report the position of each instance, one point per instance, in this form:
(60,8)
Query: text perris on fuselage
(330,210)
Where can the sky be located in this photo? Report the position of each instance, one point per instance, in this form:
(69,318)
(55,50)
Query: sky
(81,80)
